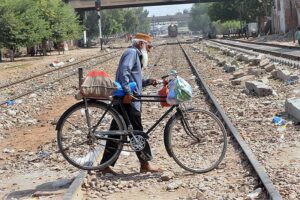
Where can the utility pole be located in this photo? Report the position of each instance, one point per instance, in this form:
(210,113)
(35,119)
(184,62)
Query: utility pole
(292,22)
(98,7)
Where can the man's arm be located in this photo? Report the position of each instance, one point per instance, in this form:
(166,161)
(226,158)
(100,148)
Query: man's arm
(126,66)
(147,82)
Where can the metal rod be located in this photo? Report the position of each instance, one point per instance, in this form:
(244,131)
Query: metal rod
(80,76)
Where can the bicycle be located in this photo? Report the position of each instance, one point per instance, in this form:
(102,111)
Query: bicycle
(190,134)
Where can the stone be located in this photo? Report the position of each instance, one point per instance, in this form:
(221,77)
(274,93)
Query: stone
(166,176)
(270,67)
(221,63)
(263,63)
(242,80)
(283,74)
(253,60)
(174,185)
(239,57)
(254,194)
(256,72)
(33,95)
(234,62)
(228,68)
(238,74)
(200,195)
(259,88)
(292,108)
(12,112)
(6,150)
(232,53)
(274,74)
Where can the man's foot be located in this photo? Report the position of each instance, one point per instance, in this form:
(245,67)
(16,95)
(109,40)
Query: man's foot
(108,170)
(146,167)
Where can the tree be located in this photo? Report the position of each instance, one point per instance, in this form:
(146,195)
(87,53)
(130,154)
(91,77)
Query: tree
(200,21)
(31,22)
(112,21)
(63,22)
(131,22)
(144,21)
(11,28)
(244,10)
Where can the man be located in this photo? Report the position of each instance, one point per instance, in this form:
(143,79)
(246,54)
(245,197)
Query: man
(130,70)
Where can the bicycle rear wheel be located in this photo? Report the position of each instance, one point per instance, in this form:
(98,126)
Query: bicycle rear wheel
(76,144)
(196,140)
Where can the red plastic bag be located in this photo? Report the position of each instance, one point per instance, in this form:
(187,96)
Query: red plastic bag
(164,92)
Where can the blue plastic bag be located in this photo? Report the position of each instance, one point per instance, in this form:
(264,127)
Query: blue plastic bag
(120,92)
(171,98)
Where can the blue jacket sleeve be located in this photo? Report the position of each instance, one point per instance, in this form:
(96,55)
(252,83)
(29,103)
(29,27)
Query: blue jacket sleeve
(125,68)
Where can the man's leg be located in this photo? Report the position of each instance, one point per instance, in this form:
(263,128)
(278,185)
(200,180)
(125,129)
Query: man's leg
(145,155)
(136,121)
(110,147)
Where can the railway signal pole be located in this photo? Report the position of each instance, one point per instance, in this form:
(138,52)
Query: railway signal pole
(98,7)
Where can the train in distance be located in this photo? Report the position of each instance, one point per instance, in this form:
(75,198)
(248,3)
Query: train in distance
(172,30)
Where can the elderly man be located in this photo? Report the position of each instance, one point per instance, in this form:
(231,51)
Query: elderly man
(130,70)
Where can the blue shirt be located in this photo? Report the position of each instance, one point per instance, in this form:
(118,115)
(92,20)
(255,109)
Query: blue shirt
(130,70)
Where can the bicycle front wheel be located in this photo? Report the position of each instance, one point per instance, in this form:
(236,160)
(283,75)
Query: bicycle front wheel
(77,145)
(196,139)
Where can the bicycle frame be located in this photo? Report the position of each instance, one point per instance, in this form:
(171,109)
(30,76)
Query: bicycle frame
(118,101)
(142,98)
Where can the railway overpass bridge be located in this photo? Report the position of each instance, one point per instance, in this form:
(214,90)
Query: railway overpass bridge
(81,5)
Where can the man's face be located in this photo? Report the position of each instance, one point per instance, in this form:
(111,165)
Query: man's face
(144,45)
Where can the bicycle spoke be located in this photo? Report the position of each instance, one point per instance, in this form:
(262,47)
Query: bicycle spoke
(197,140)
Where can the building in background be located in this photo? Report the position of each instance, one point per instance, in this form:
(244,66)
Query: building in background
(160,24)
(285,16)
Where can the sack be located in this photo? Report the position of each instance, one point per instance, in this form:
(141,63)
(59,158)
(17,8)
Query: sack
(97,85)
(183,90)
(164,91)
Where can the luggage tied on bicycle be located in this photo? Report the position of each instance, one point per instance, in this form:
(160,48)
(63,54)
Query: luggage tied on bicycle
(97,84)
(179,91)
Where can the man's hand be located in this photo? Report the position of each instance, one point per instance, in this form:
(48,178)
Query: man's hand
(127,99)
(153,82)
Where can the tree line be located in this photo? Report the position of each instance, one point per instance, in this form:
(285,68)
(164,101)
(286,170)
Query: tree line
(25,23)
(221,15)
(118,21)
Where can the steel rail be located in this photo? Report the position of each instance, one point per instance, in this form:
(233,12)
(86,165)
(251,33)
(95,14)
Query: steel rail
(261,172)
(46,84)
(284,61)
(50,71)
(266,44)
(283,55)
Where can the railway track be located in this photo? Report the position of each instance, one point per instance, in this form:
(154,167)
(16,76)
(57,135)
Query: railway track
(283,54)
(245,109)
(23,87)
(259,169)
(97,186)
